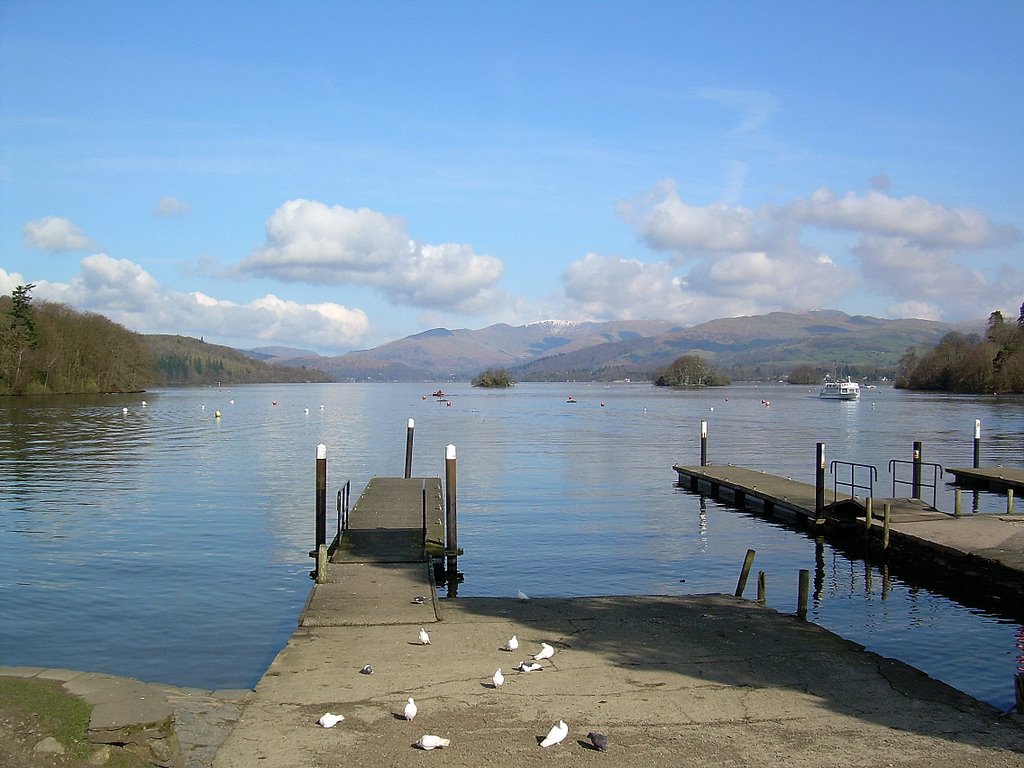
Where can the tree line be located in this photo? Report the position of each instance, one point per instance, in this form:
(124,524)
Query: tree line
(968,363)
(48,348)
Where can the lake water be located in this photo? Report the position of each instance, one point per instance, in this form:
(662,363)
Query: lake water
(167,544)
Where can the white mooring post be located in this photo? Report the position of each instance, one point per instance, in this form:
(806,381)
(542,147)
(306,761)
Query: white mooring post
(408,448)
(451,517)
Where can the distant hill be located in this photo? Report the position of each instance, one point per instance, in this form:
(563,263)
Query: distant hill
(188,361)
(756,347)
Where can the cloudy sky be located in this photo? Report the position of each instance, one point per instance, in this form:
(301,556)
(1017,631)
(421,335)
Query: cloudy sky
(336,175)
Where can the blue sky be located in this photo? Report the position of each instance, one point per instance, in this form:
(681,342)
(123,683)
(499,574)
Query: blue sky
(336,175)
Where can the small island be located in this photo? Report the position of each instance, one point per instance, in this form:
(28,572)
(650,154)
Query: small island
(689,371)
(494,378)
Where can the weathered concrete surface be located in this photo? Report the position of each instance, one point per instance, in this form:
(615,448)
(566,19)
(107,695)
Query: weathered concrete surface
(709,680)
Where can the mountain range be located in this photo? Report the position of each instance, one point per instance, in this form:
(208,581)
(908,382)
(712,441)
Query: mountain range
(753,347)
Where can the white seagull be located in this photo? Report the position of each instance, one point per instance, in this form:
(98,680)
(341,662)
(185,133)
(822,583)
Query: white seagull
(558,732)
(424,637)
(522,595)
(546,652)
(328,720)
(498,678)
(529,666)
(512,644)
(410,709)
(428,741)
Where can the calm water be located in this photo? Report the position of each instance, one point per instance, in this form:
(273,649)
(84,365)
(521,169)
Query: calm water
(169,545)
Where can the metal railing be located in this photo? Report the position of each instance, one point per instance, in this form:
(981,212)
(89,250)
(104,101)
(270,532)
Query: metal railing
(916,483)
(343,499)
(853,485)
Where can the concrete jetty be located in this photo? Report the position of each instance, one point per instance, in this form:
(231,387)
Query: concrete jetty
(688,681)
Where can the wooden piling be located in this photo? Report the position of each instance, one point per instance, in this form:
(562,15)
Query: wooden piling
(748,562)
(886,509)
(408,448)
(1009,501)
(321,564)
(819,485)
(762,588)
(804,589)
(321,496)
(957,501)
(868,515)
(451,517)
(704,443)
(1018,687)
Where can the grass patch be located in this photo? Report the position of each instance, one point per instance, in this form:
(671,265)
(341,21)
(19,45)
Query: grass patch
(34,709)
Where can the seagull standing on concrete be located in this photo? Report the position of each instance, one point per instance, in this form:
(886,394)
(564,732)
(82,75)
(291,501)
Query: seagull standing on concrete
(498,679)
(522,595)
(424,637)
(546,652)
(410,709)
(512,644)
(558,732)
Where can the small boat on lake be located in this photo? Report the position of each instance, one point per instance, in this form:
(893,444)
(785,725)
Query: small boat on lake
(570,399)
(840,390)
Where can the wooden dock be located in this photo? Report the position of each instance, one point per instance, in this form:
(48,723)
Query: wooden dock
(979,558)
(794,500)
(383,558)
(997,479)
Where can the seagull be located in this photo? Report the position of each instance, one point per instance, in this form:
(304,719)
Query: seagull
(410,709)
(512,644)
(498,678)
(329,721)
(424,637)
(546,652)
(558,732)
(599,740)
(428,741)
(418,600)
(522,595)
(367,670)
(529,666)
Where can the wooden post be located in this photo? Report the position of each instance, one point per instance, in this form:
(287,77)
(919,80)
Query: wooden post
(819,485)
(977,443)
(703,443)
(761,588)
(451,518)
(748,562)
(408,448)
(868,515)
(1009,501)
(886,509)
(321,495)
(916,478)
(801,604)
(958,501)
(1018,687)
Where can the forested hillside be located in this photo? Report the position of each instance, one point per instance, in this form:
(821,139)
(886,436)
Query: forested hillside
(49,348)
(970,363)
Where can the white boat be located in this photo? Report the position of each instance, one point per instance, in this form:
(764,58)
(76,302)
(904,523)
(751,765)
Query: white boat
(840,390)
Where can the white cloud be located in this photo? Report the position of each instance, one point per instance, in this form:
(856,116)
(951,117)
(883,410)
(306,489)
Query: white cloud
(754,107)
(127,294)
(666,223)
(931,282)
(308,241)
(54,233)
(169,206)
(912,217)
(9,281)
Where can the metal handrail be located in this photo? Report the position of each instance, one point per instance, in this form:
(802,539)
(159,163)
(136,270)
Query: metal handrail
(343,499)
(936,474)
(853,484)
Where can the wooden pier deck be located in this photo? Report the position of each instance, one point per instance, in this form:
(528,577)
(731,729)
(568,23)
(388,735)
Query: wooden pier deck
(997,479)
(983,554)
(383,559)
